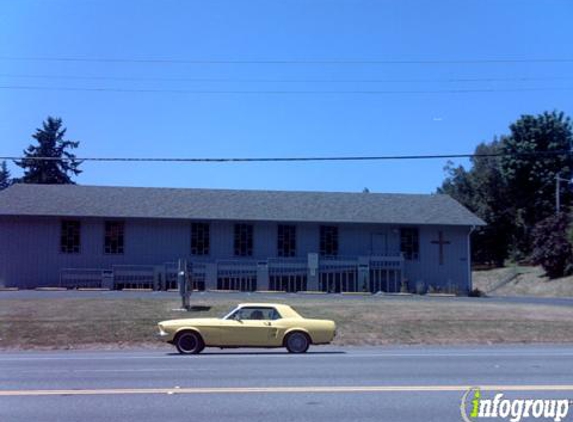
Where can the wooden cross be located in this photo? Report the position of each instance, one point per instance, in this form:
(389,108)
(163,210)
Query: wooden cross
(441,242)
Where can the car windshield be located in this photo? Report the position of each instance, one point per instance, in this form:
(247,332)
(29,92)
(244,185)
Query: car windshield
(228,314)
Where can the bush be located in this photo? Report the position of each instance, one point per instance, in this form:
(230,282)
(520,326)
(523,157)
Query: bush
(551,248)
(476,293)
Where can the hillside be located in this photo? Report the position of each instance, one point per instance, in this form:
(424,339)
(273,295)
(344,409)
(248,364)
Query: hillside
(522,281)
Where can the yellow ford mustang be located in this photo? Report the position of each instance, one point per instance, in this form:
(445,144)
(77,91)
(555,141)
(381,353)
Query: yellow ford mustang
(248,325)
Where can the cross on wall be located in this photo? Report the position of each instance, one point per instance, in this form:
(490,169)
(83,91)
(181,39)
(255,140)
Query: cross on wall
(441,242)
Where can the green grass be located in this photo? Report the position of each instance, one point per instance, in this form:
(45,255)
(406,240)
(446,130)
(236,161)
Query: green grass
(73,323)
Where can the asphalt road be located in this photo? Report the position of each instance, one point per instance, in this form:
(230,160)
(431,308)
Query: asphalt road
(327,384)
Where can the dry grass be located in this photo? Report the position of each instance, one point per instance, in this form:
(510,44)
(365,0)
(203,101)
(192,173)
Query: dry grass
(530,281)
(71,323)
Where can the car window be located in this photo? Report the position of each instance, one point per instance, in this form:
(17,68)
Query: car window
(268,314)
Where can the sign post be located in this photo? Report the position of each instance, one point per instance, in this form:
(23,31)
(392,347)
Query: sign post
(183,283)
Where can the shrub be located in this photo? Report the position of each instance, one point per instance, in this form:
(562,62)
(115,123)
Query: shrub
(476,293)
(551,248)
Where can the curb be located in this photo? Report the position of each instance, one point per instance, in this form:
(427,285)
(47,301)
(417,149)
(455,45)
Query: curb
(51,289)
(270,291)
(136,290)
(226,291)
(93,289)
(313,292)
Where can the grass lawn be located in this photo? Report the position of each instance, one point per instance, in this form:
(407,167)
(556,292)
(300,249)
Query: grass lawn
(75,323)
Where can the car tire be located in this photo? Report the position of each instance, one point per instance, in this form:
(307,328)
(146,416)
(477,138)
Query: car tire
(297,342)
(189,343)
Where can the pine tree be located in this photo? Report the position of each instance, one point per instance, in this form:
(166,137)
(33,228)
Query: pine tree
(5,179)
(51,143)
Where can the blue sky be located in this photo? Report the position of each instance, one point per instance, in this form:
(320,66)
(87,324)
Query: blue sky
(171,124)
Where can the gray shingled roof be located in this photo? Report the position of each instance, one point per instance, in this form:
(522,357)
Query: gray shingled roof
(250,205)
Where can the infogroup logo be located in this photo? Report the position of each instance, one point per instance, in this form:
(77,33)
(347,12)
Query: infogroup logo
(475,407)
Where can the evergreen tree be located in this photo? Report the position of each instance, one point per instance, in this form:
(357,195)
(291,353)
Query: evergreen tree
(51,143)
(483,191)
(5,179)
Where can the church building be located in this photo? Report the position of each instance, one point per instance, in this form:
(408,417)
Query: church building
(118,237)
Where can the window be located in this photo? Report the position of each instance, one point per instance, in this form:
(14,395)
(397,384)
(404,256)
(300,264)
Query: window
(286,240)
(268,314)
(70,236)
(114,237)
(328,240)
(199,239)
(410,244)
(243,240)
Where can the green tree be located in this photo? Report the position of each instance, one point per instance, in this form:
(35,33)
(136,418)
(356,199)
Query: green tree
(5,179)
(516,190)
(483,191)
(62,164)
(529,168)
(551,248)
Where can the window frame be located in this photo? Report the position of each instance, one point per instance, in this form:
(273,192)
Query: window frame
(204,242)
(121,245)
(274,312)
(325,238)
(410,243)
(246,230)
(67,236)
(286,241)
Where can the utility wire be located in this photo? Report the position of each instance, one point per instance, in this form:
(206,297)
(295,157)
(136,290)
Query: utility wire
(290,159)
(272,80)
(279,92)
(286,61)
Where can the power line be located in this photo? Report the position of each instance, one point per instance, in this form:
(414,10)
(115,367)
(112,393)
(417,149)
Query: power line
(291,159)
(279,92)
(280,80)
(287,61)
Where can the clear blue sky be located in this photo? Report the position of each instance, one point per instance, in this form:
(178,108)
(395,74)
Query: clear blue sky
(226,125)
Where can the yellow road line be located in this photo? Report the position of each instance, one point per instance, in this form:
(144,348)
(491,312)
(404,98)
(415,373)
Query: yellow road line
(313,389)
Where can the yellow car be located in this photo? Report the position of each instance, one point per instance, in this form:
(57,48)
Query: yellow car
(248,325)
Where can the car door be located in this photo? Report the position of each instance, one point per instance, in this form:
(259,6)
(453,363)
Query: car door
(248,327)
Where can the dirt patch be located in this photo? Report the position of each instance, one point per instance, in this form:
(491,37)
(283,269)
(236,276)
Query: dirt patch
(528,281)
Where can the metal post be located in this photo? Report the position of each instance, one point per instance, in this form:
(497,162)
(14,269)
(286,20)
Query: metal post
(182,281)
(558,181)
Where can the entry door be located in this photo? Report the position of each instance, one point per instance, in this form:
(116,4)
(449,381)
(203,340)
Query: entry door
(379,244)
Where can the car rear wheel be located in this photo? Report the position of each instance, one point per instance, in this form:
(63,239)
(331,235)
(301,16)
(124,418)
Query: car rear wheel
(297,342)
(189,343)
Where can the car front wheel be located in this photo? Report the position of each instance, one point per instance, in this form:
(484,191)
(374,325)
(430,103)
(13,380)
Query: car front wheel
(297,342)
(189,343)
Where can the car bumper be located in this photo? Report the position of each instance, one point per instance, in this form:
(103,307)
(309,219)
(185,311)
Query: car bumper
(164,336)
